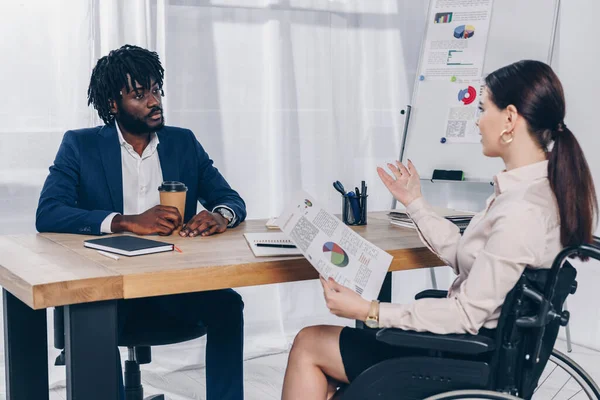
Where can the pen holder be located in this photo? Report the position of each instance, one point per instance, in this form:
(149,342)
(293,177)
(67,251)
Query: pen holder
(354,210)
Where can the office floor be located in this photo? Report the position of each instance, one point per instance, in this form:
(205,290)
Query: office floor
(264,377)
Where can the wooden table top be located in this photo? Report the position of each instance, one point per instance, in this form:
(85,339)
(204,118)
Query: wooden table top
(51,269)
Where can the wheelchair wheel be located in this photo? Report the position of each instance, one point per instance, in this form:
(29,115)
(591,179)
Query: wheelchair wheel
(563,378)
(472,394)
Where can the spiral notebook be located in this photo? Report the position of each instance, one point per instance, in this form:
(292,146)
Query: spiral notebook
(274,238)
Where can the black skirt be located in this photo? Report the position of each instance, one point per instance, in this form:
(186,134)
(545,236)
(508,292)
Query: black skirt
(361,350)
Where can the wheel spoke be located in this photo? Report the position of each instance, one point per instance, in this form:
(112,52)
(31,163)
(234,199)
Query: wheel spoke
(545,379)
(561,388)
(578,383)
(579,391)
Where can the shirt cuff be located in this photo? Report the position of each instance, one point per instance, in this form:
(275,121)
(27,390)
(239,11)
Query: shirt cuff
(417,209)
(105,227)
(230,210)
(390,315)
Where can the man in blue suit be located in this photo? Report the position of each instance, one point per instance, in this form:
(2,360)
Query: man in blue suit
(105,180)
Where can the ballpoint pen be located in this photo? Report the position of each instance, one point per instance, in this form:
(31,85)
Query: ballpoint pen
(363,192)
(360,203)
(355,205)
(282,246)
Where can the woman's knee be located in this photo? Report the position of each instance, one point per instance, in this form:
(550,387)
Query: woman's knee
(319,346)
(311,340)
(305,339)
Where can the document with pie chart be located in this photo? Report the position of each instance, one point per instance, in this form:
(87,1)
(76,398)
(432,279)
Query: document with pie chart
(455,40)
(333,248)
(461,123)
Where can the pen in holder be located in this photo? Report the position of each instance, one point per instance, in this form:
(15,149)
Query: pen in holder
(354,209)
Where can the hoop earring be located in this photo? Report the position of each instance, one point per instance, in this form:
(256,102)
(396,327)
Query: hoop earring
(506,141)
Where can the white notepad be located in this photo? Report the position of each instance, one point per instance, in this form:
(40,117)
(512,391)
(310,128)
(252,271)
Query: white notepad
(270,238)
(272,223)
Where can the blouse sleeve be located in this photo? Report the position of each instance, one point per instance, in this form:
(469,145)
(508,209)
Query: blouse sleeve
(437,233)
(515,241)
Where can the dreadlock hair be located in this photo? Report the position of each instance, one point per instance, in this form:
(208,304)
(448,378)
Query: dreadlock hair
(110,76)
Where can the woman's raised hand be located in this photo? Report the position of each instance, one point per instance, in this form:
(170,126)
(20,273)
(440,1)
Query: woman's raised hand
(405,184)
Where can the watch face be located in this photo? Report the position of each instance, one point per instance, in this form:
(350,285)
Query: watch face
(372,323)
(225,213)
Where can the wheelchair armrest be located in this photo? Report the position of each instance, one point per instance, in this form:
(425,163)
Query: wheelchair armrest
(454,343)
(432,293)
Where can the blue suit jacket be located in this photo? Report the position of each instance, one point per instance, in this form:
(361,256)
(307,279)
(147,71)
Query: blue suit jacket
(85,183)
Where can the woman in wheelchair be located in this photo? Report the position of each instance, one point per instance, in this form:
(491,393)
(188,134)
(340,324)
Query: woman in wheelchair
(543,201)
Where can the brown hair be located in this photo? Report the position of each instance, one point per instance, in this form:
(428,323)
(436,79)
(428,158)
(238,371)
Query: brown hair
(535,90)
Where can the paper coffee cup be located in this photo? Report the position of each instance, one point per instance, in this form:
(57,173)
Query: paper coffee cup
(173,194)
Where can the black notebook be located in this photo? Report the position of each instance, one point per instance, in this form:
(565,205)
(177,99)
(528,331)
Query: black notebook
(128,245)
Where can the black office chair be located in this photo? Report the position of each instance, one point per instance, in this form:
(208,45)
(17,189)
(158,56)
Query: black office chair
(141,331)
(495,364)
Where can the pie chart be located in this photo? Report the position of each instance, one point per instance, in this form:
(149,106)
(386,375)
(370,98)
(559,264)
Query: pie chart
(464,31)
(468,95)
(335,254)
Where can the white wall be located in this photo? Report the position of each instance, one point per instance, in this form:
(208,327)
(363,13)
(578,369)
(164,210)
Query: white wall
(577,62)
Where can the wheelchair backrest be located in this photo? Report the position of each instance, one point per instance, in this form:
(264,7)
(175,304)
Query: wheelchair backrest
(514,364)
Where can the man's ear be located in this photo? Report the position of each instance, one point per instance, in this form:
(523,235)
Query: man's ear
(113,106)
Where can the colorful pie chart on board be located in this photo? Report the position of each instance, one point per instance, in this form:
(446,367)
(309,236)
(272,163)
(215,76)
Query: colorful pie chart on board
(468,95)
(464,31)
(335,254)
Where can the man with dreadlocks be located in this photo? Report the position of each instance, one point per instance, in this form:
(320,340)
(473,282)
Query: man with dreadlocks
(105,180)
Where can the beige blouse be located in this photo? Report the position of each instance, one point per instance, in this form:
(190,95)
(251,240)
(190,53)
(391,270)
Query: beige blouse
(519,227)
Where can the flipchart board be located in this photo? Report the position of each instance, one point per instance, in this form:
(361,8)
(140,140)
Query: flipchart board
(464,41)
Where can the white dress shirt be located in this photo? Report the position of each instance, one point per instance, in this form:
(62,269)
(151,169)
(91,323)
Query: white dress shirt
(520,227)
(142,175)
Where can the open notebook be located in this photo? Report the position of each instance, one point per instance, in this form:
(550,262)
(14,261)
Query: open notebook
(275,238)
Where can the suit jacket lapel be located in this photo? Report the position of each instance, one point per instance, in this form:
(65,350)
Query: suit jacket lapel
(110,152)
(167,153)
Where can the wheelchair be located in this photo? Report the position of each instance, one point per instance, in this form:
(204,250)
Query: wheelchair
(514,361)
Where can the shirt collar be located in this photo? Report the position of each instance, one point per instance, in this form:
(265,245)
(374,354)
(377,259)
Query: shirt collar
(507,180)
(153,139)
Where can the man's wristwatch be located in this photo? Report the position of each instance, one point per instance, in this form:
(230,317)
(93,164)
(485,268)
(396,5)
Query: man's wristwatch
(372,320)
(228,215)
